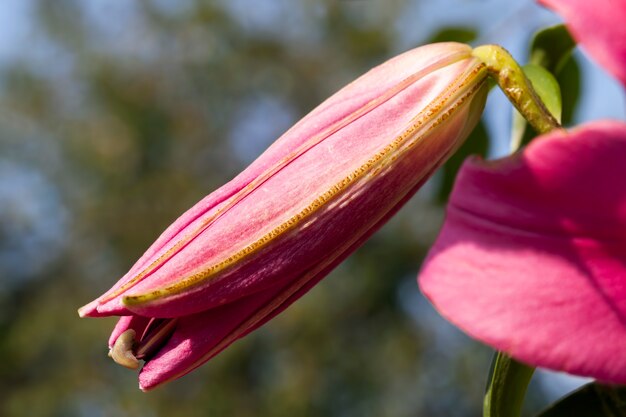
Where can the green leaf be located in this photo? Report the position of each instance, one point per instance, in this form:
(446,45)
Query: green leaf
(547,87)
(548,90)
(506,387)
(551,47)
(520,134)
(592,400)
(570,81)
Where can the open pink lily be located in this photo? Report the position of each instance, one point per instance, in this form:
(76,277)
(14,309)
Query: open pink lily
(532,256)
(251,248)
(599,27)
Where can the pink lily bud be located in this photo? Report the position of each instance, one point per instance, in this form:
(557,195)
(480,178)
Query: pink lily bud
(251,248)
(531,258)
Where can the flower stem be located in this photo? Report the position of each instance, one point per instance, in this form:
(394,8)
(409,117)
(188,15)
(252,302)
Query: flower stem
(506,387)
(507,73)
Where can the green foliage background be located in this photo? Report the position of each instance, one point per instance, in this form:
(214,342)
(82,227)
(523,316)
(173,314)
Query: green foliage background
(122,124)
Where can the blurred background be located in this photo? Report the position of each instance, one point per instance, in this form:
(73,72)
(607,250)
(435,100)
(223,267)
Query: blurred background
(116,116)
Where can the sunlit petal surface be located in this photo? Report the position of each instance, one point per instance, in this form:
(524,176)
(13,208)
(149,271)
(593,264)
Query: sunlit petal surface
(532,257)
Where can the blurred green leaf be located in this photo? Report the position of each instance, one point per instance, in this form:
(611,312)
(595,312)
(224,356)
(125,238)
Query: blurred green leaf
(570,81)
(551,50)
(551,47)
(506,387)
(547,87)
(477,143)
(520,134)
(592,400)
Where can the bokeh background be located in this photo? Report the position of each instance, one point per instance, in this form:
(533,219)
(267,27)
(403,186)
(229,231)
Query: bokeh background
(116,116)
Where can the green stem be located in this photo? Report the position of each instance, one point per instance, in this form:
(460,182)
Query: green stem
(509,76)
(506,388)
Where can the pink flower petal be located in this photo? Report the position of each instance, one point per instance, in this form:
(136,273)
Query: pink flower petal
(532,257)
(600,27)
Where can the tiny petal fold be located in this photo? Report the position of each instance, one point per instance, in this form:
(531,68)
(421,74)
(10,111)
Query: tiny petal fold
(532,256)
(599,27)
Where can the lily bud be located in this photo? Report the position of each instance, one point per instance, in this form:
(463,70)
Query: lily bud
(251,248)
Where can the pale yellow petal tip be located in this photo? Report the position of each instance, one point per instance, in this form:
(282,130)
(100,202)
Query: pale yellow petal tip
(122,351)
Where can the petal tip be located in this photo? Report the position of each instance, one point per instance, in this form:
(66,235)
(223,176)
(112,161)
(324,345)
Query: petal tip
(148,382)
(145,387)
(88,310)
